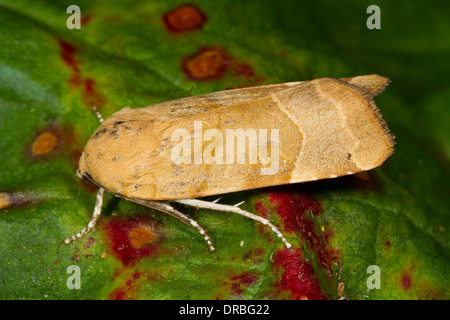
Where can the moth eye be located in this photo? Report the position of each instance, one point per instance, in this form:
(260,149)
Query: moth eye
(87,176)
(349,156)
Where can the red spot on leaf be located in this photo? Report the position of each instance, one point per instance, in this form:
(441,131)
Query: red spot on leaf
(239,282)
(185,17)
(75,80)
(127,291)
(91,96)
(241,69)
(89,243)
(68,55)
(122,239)
(85,19)
(298,276)
(262,209)
(259,251)
(296,212)
(254,256)
(406,280)
(118,294)
(293,210)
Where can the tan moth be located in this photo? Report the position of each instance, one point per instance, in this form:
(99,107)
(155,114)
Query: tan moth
(174,152)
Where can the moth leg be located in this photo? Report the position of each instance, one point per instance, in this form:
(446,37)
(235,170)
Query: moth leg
(228,208)
(167,208)
(91,224)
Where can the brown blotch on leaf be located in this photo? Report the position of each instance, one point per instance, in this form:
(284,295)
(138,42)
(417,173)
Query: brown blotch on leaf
(185,17)
(211,63)
(140,236)
(15,199)
(4,200)
(54,140)
(208,63)
(44,144)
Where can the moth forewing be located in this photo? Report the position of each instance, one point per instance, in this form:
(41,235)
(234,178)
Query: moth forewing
(240,139)
(320,122)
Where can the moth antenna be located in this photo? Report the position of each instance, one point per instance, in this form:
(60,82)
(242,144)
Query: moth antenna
(98,114)
(228,208)
(215,201)
(91,224)
(238,204)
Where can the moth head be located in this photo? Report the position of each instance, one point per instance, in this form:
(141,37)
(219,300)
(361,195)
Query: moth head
(83,173)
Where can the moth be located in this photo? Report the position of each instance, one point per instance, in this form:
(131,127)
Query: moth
(175,152)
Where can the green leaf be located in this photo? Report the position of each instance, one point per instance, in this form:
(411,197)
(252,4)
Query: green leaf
(130,53)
